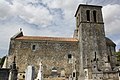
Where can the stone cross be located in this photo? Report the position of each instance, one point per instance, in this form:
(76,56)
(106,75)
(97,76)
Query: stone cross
(39,76)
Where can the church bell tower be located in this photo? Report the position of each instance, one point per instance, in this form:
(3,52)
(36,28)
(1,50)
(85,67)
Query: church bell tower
(91,35)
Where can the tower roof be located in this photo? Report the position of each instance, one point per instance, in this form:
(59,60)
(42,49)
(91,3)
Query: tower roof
(109,42)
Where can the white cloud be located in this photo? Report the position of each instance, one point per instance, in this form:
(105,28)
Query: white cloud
(31,14)
(5,10)
(112,19)
(68,6)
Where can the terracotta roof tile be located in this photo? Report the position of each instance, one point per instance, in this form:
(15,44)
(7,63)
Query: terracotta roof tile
(36,38)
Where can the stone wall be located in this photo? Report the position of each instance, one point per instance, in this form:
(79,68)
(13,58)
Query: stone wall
(110,76)
(51,53)
(55,79)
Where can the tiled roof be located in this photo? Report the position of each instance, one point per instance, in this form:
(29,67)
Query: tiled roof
(37,38)
(109,42)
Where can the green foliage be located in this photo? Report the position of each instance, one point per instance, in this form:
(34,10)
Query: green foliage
(2,60)
(118,56)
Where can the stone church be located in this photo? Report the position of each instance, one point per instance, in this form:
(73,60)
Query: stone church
(88,55)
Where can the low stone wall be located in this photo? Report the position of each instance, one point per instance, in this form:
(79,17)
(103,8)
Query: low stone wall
(110,76)
(4,74)
(55,79)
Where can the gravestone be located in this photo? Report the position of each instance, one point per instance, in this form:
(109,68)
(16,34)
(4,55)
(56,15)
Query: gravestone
(29,75)
(62,73)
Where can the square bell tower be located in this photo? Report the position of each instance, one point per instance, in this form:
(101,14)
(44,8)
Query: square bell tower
(92,43)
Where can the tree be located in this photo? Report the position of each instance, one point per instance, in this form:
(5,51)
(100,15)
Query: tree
(2,60)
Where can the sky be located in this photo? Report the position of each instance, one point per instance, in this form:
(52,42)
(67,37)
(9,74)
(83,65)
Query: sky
(51,18)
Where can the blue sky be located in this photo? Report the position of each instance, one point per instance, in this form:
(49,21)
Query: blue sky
(51,18)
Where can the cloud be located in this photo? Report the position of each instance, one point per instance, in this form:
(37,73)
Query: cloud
(36,15)
(51,18)
(112,22)
(4,10)
(101,2)
(112,19)
(68,6)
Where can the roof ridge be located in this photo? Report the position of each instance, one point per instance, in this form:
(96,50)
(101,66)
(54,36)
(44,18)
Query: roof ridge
(49,37)
(46,38)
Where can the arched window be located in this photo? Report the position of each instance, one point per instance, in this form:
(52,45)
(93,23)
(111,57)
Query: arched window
(69,56)
(77,21)
(108,58)
(95,57)
(73,74)
(94,16)
(33,47)
(88,15)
